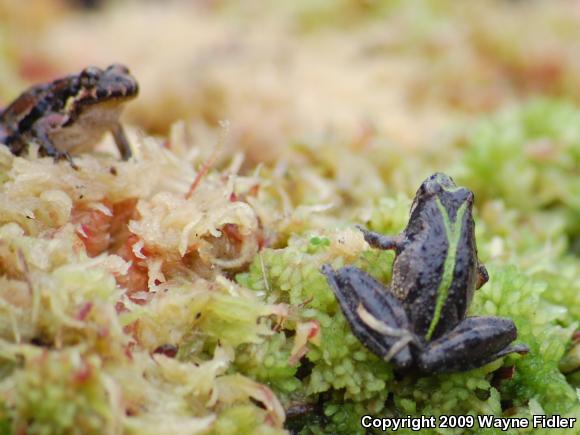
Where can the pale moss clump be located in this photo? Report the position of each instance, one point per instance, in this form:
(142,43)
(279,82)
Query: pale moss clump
(83,370)
(106,329)
(200,314)
(60,392)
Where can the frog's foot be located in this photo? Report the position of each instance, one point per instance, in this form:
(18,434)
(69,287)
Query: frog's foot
(62,155)
(476,341)
(67,156)
(375,315)
(58,155)
(46,147)
(380,241)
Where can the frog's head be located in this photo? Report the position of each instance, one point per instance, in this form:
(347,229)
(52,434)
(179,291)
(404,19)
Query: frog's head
(113,83)
(442,186)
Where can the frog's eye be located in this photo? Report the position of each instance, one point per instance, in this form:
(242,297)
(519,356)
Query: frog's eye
(90,76)
(431,187)
(119,68)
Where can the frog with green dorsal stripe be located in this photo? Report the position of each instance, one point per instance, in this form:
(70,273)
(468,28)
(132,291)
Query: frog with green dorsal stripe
(420,318)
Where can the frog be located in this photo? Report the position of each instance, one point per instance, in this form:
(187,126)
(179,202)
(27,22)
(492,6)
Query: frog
(419,320)
(70,114)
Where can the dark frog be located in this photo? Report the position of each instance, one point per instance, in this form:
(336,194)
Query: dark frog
(70,114)
(420,319)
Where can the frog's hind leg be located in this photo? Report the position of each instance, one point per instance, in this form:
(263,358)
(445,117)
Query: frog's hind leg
(376,317)
(476,341)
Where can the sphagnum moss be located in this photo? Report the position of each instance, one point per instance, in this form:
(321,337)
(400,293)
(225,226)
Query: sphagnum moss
(282,326)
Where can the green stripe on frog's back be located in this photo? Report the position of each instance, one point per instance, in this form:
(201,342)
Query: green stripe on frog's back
(453,233)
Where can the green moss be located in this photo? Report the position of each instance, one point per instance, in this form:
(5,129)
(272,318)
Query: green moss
(269,364)
(341,363)
(343,418)
(242,420)
(529,156)
(390,215)
(513,294)
(291,275)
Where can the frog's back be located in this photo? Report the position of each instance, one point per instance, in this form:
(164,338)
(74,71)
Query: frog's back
(427,273)
(17,119)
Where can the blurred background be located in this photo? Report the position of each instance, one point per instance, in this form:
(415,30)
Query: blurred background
(374,94)
(283,72)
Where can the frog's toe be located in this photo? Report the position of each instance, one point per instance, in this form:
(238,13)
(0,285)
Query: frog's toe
(520,348)
(63,155)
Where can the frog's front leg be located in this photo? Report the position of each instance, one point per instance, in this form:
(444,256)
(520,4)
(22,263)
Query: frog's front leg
(376,317)
(381,241)
(40,133)
(476,341)
(121,141)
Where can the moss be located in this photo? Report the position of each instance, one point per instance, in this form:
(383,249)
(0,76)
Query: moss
(529,156)
(59,392)
(513,294)
(243,420)
(269,364)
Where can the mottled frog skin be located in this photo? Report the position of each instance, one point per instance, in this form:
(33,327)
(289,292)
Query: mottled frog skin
(420,318)
(70,114)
